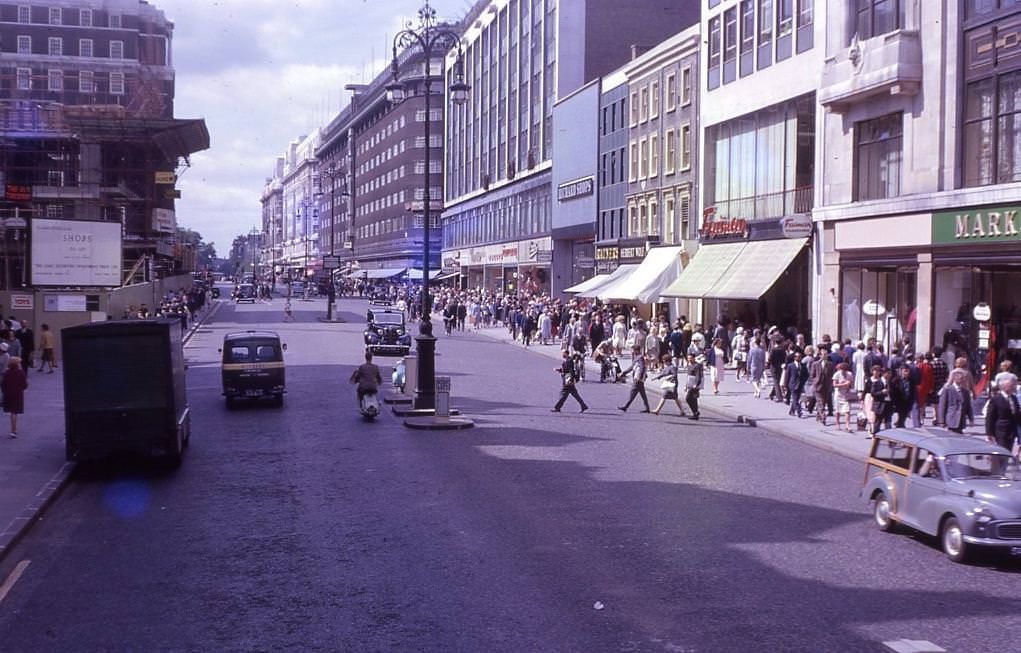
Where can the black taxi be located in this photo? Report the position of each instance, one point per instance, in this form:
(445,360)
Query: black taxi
(253,366)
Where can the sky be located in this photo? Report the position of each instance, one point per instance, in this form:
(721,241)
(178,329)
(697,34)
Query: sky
(263,73)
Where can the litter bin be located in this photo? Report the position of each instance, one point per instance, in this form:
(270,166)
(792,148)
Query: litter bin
(442,396)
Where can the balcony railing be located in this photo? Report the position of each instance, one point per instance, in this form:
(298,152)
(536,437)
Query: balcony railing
(771,205)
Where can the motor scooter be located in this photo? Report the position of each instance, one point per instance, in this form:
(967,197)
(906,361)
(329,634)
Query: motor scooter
(369,406)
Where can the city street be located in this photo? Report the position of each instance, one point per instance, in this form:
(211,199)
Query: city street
(306,528)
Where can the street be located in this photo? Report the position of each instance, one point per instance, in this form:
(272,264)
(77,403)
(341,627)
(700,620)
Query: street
(306,528)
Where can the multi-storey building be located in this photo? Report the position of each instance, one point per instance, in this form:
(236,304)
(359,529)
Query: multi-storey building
(86,122)
(519,57)
(300,232)
(372,168)
(758,81)
(918,210)
(611,220)
(273,220)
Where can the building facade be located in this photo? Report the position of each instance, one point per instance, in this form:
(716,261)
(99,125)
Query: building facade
(300,209)
(758,81)
(918,212)
(520,56)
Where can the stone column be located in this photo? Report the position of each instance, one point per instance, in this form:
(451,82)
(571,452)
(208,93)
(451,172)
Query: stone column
(924,303)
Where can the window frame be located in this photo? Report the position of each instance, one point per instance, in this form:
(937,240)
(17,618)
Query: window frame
(633,163)
(870,148)
(24,38)
(670,152)
(684,135)
(18,77)
(82,21)
(55,16)
(633,118)
(122,83)
(654,100)
(714,58)
(57,51)
(643,158)
(671,91)
(25,8)
(115,21)
(55,80)
(869,11)
(653,155)
(643,104)
(117,44)
(686,85)
(91,48)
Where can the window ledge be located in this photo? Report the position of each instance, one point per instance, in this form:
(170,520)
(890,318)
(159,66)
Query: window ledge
(886,64)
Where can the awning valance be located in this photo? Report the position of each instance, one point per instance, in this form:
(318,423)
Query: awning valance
(660,267)
(757,268)
(416,274)
(610,279)
(383,273)
(588,284)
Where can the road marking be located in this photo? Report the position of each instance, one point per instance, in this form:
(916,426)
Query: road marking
(13,578)
(913,646)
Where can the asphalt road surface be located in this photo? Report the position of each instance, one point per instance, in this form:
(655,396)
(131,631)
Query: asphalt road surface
(305,528)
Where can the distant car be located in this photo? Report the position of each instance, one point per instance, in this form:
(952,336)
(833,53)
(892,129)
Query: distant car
(386,332)
(963,490)
(245,293)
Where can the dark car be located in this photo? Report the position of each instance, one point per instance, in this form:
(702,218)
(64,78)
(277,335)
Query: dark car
(253,366)
(386,332)
(245,293)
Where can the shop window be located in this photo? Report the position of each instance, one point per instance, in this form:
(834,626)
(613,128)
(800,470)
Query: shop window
(713,72)
(875,17)
(879,304)
(765,48)
(878,154)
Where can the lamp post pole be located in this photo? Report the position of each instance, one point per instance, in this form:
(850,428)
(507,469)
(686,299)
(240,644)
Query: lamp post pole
(431,39)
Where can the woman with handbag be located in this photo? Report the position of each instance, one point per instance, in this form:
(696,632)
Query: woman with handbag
(668,385)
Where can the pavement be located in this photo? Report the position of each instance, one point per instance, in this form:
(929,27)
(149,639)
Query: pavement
(33,466)
(736,401)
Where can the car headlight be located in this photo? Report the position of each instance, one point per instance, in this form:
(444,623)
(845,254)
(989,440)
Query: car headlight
(372,338)
(983,514)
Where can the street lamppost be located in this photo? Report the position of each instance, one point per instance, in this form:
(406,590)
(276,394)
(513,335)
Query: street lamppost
(332,173)
(431,39)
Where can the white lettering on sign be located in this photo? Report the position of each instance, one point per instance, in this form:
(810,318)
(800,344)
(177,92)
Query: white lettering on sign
(989,225)
(575,189)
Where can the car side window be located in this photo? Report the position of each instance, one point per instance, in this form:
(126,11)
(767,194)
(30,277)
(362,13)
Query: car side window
(926,464)
(897,454)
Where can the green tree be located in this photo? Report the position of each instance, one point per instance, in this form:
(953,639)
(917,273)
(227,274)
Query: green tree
(205,253)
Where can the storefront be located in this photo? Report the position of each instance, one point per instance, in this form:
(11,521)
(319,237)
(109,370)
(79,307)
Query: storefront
(754,271)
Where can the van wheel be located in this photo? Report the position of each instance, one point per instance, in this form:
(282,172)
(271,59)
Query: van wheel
(952,540)
(881,513)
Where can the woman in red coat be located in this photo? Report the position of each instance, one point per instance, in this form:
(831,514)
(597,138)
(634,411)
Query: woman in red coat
(13,386)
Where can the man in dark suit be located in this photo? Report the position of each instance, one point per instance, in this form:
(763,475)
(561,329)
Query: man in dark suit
(904,394)
(797,375)
(1003,415)
(569,376)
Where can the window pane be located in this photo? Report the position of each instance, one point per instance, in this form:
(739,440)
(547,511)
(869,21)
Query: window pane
(885,19)
(1009,141)
(979,100)
(978,153)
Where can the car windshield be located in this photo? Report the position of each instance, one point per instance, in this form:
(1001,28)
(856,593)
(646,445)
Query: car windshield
(387,318)
(982,465)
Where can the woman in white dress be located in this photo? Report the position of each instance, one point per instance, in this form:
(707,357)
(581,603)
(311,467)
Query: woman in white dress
(718,367)
(619,334)
(860,373)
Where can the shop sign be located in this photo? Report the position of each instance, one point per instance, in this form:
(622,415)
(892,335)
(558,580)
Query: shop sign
(544,256)
(164,221)
(478,255)
(532,251)
(585,262)
(717,229)
(607,258)
(451,261)
(494,255)
(796,226)
(873,308)
(17,193)
(22,302)
(632,251)
(578,188)
(1000,224)
(167,178)
(510,254)
(982,312)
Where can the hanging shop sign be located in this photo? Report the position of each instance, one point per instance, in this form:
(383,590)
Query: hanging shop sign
(17,193)
(796,226)
(167,178)
(576,189)
(982,312)
(995,224)
(607,258)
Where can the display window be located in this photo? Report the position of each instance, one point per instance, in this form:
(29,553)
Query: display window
(879,303)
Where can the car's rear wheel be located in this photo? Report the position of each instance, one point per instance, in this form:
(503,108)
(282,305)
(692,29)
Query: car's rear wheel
(952,540)
(881,510)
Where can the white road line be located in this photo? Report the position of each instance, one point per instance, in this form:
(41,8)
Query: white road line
(913,646)
(13,578)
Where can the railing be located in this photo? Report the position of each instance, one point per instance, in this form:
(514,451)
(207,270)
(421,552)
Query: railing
(772,205)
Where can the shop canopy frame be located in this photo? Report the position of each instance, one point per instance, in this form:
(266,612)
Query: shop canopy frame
(731,271)
(646,283)
(383,273)
(414,274)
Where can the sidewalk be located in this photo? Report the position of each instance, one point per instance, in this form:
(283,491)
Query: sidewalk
(737,402)
(33,469)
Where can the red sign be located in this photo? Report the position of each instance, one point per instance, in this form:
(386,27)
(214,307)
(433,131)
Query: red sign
(18,193)
(724,228)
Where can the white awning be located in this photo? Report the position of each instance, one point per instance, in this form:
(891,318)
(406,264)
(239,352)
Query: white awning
(611,278)
(416,275)
(660,267)
(588,284)
(757,268)
(705,269)
(384,273)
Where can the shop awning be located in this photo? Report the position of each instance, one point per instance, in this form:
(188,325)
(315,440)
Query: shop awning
(384,273)
(660,267)
(756,269)
(610,279)
(449,274)
(705,269)
(416,275)
(588,284)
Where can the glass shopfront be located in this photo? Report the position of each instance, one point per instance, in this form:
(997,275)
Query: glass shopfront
(958,291)
(878,303)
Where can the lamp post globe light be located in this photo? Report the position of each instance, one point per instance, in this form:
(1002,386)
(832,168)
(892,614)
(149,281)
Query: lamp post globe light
(432,40)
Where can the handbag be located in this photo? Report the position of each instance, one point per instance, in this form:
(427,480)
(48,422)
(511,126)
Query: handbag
(669,385)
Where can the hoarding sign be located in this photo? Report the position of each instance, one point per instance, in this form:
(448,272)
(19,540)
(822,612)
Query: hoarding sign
(74,253)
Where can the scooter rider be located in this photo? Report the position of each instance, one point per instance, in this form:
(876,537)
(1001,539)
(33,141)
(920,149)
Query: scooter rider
(367,377)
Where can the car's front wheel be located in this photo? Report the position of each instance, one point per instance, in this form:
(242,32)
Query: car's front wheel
(881,510)
(952,541)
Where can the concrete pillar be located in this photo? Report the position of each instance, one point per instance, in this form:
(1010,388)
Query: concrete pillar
(827,300)
(924,303)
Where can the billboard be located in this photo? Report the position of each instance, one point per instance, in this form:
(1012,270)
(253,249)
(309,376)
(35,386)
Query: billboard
(76,253)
